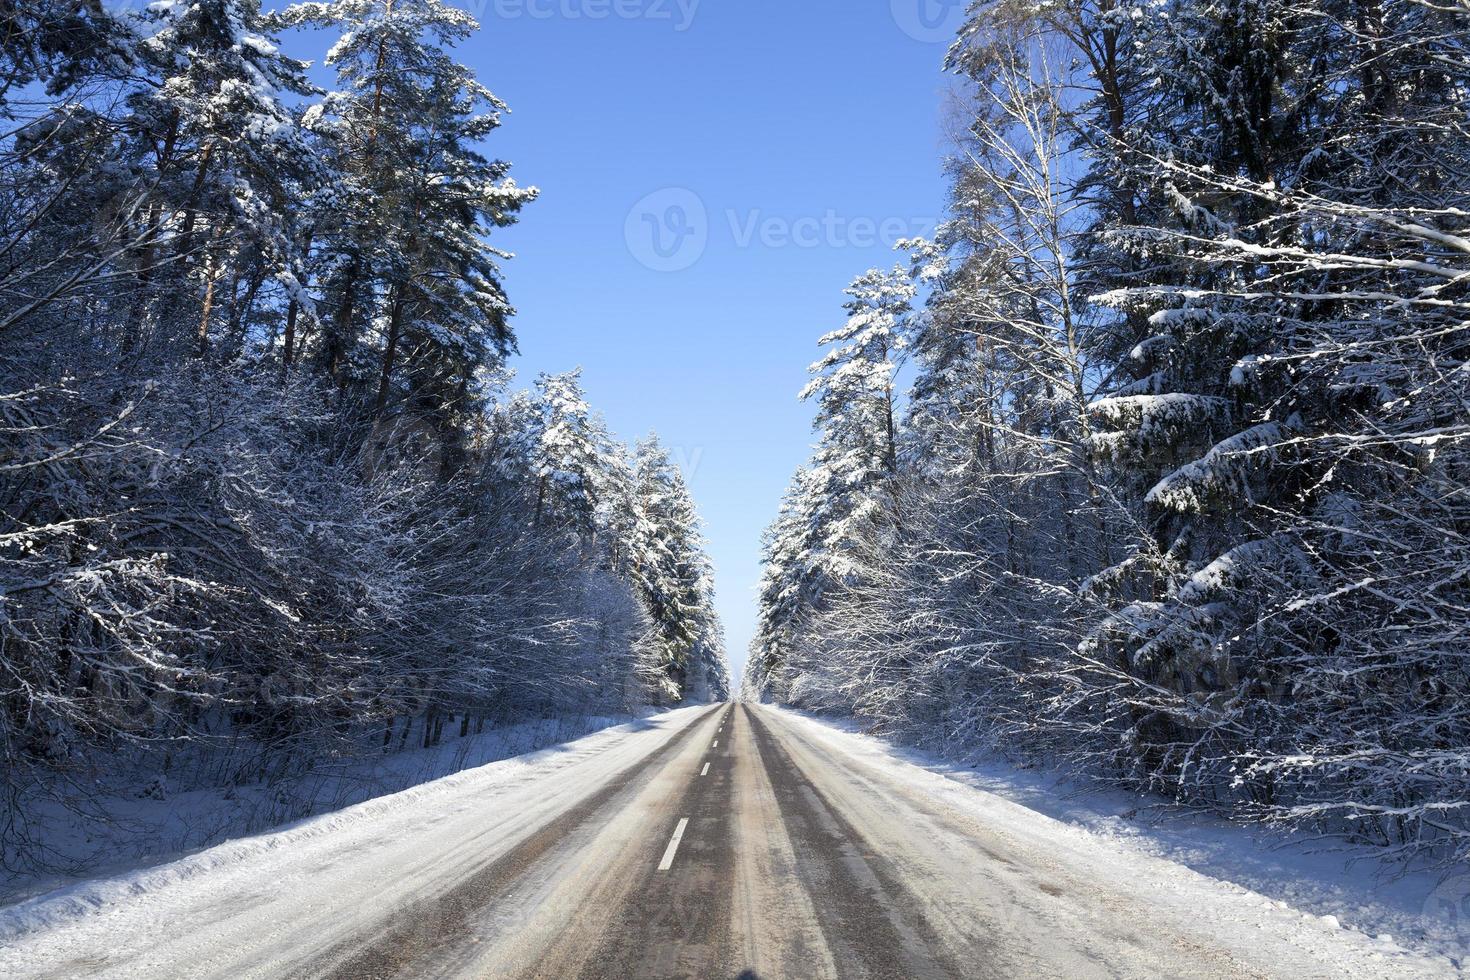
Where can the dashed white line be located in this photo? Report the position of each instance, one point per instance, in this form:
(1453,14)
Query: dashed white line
(706,770)
(668,861)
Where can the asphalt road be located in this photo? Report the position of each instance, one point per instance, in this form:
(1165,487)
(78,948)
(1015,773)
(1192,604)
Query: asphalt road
(789,863)
(731,842)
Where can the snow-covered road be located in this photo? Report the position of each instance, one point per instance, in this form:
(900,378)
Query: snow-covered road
(705,842)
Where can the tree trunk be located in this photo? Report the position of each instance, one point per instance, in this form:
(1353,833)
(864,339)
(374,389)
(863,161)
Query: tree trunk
(293,316)
(240,316)
(211,274)
(146,255)
(337,343)
(288,343)
(390,349)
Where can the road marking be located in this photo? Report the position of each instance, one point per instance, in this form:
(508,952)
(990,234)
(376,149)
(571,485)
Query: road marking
(668,861)
(706,770)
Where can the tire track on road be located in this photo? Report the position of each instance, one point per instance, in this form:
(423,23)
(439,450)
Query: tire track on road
(874,926)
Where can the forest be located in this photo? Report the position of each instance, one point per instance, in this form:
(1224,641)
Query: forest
(269,497)
(1153,465)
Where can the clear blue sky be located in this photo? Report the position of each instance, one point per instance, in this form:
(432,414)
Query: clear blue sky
(800,127)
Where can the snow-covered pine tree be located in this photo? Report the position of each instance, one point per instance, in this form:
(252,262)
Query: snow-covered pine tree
(568,457)
(1310,294)
(670,565)
(68,48)
(1185,447)
(620,517)
(221,153)
(408,248)
(840,495)
(853,384)
(789,588)
(709,672)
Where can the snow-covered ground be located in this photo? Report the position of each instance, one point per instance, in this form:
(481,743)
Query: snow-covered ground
(131,828)
(1328,884)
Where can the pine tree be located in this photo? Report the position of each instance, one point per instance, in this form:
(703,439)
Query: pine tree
(64,46)
(790,588)
(568,457)
(670,566)
(835,501)
(854,383)
(227,153)
(408,249)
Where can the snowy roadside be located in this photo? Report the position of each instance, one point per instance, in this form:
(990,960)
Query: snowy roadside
(262,859)
(111,834)
(1329,885)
